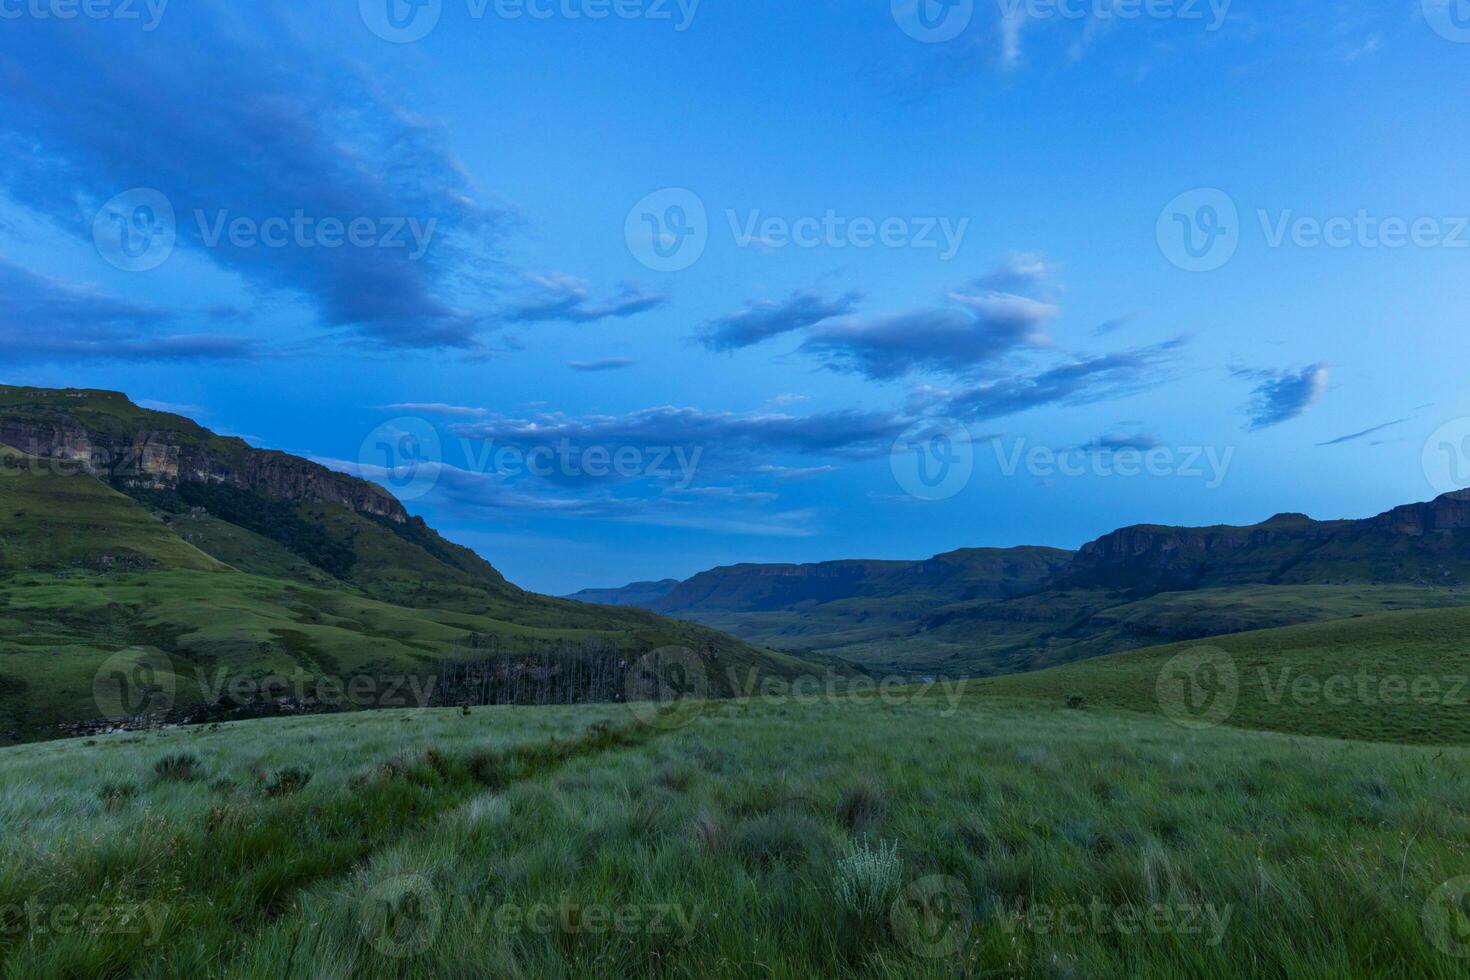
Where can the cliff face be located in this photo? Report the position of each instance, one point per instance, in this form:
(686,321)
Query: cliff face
(1418,543)
(156,452)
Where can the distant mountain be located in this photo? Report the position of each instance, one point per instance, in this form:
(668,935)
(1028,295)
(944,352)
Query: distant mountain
(125,531)
(997,611)
(641,594)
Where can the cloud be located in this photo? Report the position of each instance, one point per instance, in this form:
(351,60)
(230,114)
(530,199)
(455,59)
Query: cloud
(1114,325)
(846,433)
(45,319)
(1354,437)
(764,319)
(1280,396)
(471,494)
(787,473)
(92,113)
(1020,273)
(436,408)
(569,300)
(1013,21)
(602,364)
(977,330)
(1118,442)
(1080,382)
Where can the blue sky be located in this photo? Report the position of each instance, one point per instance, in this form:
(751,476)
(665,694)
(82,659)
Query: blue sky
(1091,264)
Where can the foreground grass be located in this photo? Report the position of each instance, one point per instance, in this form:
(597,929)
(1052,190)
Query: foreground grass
(760,839)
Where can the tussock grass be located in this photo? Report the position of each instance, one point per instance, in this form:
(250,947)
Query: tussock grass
(397,859)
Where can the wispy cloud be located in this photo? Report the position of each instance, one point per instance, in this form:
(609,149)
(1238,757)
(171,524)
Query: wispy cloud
(602,364)
(340,149)
(46,319)
(569,300)
(1282,395)
(764,319)
(437,408)
(1354,437)
(975,330)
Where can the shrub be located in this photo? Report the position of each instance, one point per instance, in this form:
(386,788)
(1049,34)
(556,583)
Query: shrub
(180,768)
(779,839)
(115,796)
(862,807)
(868,878)
(291,779)
(1076,702)
(707,830)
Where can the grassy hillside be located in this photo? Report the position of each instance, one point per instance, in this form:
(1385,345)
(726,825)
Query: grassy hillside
(205,596)
(57,519)
(910,838)
(1392,677)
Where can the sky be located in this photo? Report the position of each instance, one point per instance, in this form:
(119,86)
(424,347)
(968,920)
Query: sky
(614,290)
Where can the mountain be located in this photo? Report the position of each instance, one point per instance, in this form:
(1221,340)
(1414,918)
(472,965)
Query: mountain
(1001,611)
(828,607)
(641,594)
(200,560)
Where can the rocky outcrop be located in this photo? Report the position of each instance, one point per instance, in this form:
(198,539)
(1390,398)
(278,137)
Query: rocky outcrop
(161,457)
(1289,548)
(1448,513)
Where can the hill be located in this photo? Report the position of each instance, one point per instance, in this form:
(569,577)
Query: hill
(1392,677)
(959,615)
(140,542)
(641,594)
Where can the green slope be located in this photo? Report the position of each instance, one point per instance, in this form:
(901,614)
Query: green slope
(56,519)
(1392,677)
(204,582)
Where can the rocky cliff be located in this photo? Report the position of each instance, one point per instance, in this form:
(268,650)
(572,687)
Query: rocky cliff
(104,434)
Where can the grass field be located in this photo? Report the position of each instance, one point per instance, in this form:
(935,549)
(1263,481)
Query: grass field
(908,835)
(1392,677)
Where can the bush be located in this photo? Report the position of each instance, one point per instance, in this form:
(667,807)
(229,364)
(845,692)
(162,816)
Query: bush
(1076,701)
(780,839)
(868,878)
(115,796)
(292,779)
(862,807)
(180,768)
